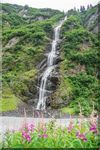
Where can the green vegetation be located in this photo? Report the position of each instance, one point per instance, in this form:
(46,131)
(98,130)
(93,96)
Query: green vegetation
(9,100)
(16,15)
(27,32)
(25,39)
(79,134)
(80,66)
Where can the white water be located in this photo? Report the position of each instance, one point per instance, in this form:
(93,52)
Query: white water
(50,66)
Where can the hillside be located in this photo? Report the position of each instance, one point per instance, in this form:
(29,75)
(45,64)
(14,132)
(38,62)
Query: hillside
(79,69)
(27,37)
(14,15)
(25,40)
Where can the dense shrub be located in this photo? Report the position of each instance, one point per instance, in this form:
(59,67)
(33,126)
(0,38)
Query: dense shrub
(80,64)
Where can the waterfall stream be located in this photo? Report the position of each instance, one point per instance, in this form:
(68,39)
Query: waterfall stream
(50,66)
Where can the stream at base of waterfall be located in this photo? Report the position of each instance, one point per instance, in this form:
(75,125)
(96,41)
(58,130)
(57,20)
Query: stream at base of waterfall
(50,66)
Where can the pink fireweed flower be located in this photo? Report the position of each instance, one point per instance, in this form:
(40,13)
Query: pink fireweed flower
(44,135)
(26,136)
(44,129)
(70,127)
(93,128)
(81,136)
(30,127)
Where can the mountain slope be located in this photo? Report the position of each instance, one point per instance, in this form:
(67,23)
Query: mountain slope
(14,15)
(79,69)
(27,37)
(25,40)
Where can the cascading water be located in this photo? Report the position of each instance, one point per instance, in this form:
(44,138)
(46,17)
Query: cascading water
(50,66)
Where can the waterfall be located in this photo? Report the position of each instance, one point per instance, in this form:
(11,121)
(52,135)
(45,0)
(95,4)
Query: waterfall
(50,66)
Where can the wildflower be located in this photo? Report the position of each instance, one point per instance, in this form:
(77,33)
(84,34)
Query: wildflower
(44,135)
(26,136)
(81,136)
(44,129)
(93,128)
(70,127)
(30,127)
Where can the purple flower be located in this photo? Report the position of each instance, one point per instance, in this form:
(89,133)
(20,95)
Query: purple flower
(44,135)
(26,136)
(81,136)
(30,127)
(44,129)
(93,128)
(70,127)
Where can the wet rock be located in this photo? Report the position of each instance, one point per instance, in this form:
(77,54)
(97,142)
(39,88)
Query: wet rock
(42,64)
(58,60)
(30,101)
(27,93)
(59,103)
(54,79)
(48,102)
(51,86)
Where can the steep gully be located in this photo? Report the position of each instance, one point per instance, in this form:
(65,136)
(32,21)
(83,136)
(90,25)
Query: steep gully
(41,105)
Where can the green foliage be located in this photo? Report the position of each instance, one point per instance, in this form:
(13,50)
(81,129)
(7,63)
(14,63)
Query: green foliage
(9,101)
(80,64)
(77,35)
(90,57)
(85,91)
(47,26)
(86,16)
(72,13)
(21,57)
(52,136)
(12,19)
(16,15)
(79,52)
(71,23)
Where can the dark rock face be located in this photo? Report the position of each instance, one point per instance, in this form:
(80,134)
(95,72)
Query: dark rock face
(58,60)
(30,94)
(30,101)
(59,103)
(52,83)
(91,22)
(53,79)
(42,64)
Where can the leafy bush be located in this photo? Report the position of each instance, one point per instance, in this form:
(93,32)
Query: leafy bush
(71,23)
(84,87)
(16,15)
(79,52)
